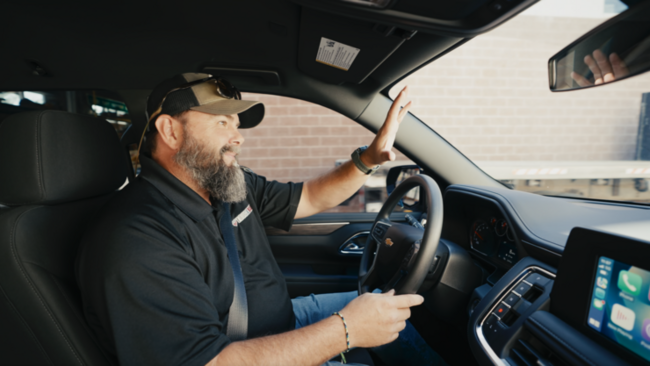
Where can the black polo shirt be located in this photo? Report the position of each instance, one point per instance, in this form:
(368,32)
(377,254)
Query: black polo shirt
(154,274)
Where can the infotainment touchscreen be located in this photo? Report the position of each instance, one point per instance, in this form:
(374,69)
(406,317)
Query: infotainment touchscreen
(620,305)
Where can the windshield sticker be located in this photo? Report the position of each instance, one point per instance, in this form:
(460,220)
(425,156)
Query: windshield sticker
(242,216)
(336,54)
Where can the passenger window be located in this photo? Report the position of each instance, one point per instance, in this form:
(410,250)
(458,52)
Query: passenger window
(100,103)
(298,140)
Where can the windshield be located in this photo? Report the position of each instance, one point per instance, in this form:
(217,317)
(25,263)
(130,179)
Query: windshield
(490,99)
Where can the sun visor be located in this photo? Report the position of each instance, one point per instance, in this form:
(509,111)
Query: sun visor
(341,50)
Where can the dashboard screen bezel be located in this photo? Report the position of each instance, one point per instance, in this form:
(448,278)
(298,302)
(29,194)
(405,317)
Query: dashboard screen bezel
(572,292)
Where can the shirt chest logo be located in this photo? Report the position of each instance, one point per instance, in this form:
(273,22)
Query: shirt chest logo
(242,216)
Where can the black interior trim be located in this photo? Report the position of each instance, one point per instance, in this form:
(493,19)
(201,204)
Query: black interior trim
(484,18)
(243,77)
(567,342)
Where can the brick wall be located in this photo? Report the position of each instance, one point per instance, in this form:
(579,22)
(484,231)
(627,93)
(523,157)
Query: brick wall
(299,140)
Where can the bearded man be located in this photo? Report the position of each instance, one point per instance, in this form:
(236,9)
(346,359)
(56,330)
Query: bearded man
(177,269)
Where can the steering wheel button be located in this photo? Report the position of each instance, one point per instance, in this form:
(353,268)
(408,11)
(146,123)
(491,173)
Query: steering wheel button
(511,299)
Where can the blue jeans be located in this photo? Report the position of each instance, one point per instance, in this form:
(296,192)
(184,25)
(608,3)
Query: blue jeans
(408,349)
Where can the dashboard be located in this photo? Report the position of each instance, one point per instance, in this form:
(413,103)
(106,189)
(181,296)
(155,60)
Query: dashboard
(565,279)
(491,236)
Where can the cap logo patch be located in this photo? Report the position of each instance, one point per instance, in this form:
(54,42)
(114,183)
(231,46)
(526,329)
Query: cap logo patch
(242,216)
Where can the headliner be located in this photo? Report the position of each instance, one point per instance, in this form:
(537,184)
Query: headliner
(131,46)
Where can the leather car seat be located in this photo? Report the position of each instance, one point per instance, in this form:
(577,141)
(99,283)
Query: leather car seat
(56,170)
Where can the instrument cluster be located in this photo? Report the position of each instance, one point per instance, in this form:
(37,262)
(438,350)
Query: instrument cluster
(494,237)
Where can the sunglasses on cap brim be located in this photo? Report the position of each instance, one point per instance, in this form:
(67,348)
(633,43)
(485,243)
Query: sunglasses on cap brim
(223,87)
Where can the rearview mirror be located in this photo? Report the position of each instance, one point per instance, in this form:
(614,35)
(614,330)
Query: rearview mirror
(615,50)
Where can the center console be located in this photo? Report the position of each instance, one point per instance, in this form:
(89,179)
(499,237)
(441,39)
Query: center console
(593,310)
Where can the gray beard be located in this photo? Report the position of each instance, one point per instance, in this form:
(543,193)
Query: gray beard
(209,170)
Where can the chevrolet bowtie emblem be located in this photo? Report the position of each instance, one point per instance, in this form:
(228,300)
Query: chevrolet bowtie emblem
(389,242)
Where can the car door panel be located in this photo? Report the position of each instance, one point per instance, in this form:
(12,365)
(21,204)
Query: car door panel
(310,255)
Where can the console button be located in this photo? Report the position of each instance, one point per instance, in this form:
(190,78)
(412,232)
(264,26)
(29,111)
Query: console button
(491,320)
(491,326)
(522,288)
(501,310)
(537,279)
(511,299)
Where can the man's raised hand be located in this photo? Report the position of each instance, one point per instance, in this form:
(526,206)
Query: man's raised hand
(380,150)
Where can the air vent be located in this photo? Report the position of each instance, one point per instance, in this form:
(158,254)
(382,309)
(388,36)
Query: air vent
(532,352)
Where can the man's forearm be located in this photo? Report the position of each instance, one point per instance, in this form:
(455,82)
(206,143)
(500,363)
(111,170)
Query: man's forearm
(327,191)
(311,345)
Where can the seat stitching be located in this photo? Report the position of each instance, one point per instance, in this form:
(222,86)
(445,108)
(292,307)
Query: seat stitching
(29,329)
(585,358)
(15,255)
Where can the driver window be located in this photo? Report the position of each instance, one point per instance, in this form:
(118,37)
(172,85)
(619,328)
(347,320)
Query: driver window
(299,140)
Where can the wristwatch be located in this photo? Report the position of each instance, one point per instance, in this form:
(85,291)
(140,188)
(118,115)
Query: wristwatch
(356,158)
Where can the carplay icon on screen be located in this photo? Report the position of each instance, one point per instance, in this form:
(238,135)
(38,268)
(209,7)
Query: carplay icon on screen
(599,304)
(630,282)
(602,282)
(623,317)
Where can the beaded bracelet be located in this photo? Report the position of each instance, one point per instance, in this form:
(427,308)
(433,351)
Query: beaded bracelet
(347,335)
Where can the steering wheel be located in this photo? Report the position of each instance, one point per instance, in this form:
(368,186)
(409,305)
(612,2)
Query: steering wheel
(398,256)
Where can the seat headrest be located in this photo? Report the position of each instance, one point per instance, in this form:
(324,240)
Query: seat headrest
(49,157)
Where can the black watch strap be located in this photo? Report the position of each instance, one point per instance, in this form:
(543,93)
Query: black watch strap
(356,159)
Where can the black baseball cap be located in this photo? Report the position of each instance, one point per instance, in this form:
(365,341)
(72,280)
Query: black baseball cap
(202,97)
